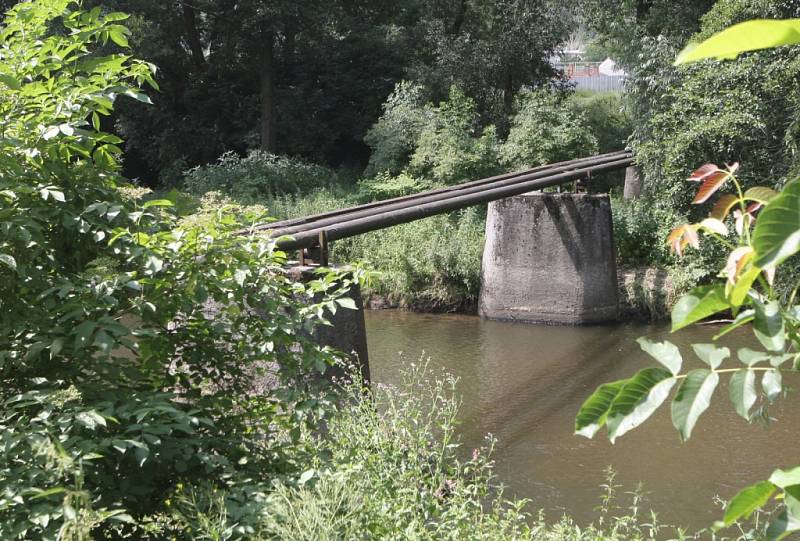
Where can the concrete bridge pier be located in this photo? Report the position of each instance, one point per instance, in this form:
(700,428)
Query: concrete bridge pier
(549,258)
(347,332)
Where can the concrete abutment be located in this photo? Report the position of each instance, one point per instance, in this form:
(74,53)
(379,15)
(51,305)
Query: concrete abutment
(549,258)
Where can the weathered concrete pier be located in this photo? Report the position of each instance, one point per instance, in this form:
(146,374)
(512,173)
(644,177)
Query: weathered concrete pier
(549,258)
(347,332)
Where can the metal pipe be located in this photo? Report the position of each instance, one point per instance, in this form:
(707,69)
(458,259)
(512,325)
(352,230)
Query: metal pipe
(554,167)
(360,212)
(350,228)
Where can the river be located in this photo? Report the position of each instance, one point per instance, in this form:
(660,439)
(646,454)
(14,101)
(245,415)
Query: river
(524,384)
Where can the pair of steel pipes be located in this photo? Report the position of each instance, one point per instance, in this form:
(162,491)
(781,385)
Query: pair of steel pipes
(317,230)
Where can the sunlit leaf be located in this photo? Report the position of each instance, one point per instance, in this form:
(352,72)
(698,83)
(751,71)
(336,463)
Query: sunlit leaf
(157,203)
(747,501)
(768,326)
(743,37)
(593,412)
(751,357)
(761,194)
(776,236)
(703,172)
(665,352)
(742,285)
(742,391)
(637,400)
(786,478)
(711,354)
(347,302)
(682,236)
(771,382)
(692,399)
(712,225)
(698,304)
(710,185)
(8,261)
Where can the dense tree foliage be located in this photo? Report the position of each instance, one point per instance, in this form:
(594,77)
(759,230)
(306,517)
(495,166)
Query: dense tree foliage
(308,78)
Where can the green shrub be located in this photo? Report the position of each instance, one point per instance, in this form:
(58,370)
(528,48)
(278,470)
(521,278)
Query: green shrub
(641,227)
(257,177)
(547,128)
(432,264)
(452,147)
(116,386)
(394,136)
(385,186)
(606,118)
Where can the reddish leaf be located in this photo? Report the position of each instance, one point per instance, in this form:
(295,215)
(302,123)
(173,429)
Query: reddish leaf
(723,206)
(702,172)
(753,207)
(682,236)
(711,184)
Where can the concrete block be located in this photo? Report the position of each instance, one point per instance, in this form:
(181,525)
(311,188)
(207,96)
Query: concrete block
(633,183)
(347,333)
(549,258)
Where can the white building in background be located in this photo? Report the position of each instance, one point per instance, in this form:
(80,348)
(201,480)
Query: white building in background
(609,68)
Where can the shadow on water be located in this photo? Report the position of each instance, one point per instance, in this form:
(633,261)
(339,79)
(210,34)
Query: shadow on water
(524,384)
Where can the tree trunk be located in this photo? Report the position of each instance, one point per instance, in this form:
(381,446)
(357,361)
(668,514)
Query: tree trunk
(642,7)
(458,21)
(192,35)
(508,94)
(268,139)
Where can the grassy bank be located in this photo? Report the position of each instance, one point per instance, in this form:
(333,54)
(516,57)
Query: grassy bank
(391,468)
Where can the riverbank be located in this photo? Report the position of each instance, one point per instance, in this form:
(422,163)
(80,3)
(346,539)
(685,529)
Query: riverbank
(646,294)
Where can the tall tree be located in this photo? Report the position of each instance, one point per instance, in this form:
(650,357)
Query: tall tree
(622,24)
(490,49)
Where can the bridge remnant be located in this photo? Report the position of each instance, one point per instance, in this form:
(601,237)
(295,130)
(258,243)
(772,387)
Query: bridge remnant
(347,332)
(633,183)
(549,258)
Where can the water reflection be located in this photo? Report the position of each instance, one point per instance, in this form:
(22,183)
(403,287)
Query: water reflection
(524,384)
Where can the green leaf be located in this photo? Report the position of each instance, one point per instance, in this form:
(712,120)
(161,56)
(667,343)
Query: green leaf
(83,333)
(117,35)
(743,37)
(698,304)
(768,326)
(744,317)
(760,194)
(785,478)
(90,419)
(639,397)
(664,352)
(139,96)
(750,357)
(776,236)
(10,81)
(594,411)
(782,526)
(692,399)
(710,354)
(743,285)
(742,391)
(8,261)
(157,203)
(748,500)
(347,302)
(771,382)
(49,492)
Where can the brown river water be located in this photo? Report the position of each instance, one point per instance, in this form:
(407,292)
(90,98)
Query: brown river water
(524,384)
